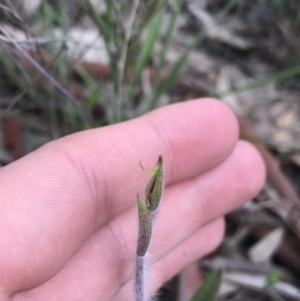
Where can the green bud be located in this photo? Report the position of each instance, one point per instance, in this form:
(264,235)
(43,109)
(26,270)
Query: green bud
(154,188)
(145,228)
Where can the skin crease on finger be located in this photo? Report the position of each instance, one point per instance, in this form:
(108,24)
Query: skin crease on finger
(201,199)
(75,179)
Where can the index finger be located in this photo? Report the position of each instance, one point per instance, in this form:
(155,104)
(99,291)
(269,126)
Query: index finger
(192,137)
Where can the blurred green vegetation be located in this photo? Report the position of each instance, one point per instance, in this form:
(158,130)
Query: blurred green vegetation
(130,44)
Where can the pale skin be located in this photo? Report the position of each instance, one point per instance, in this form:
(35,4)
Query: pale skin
(68,216)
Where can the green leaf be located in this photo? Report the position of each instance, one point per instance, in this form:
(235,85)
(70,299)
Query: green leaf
(209,288)
(153,98)
(272,278)
(287,73)
(154,188)
(177,67)
(105,24)
(148,45)
(100,21)
(145,228)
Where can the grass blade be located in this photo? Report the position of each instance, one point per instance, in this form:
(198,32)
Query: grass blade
(177,67)
(100,21)
(287,73)
(148,45)
(208,290)
(104,23)
(151,102)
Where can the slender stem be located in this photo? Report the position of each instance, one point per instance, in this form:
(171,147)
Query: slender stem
(140,286)
(51,79)
(123,56)
(26,89)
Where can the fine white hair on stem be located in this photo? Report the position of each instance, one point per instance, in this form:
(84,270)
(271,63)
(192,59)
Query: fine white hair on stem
(140,278)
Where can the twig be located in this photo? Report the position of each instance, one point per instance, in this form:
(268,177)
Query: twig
(35,41)
(17,63)
(291,201)
(255,281)
(52,81)
(25,90)
(235,265)
(12,10)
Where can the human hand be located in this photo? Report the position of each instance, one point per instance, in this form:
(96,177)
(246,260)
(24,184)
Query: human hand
(68,218)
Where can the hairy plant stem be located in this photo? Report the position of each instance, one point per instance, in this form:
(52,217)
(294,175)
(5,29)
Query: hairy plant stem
(146,214)
(140,285)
